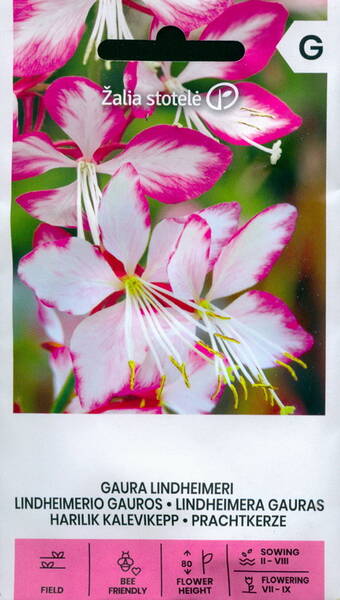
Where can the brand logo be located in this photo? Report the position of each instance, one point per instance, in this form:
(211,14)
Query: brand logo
(222,96)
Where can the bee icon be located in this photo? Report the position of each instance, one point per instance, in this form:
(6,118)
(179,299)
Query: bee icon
(125,562)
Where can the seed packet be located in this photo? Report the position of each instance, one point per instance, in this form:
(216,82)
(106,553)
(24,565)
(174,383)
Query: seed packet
(167,430)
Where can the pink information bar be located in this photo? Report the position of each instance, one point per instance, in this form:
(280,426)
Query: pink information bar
(153,569)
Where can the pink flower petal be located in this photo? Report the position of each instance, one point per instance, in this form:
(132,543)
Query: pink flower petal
(47,233)
(75,104)
(140,79)
(34,154)
(189,265)
(174,164)
(124,218)
(251,253)
(258,24)
(100,358)
(186,14)
(70,275)
(269,328)
(223,221)
(46,33)
(61,365)
(162,244)
(203,394)
(155,26)
(258,115)
(50,322)
(56,207)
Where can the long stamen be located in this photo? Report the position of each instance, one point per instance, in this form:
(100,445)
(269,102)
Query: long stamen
(125,30)
(128,327)
(165,341)
(90,211)
(93,40)
(187,119)
(176,122)
(166,295)
(200,126)
(110,15)
(232,358)
(219,361)
(95,190)
(177,326)
(146,336)
(157,322)
(191,117)
(80,225)
(88,197)
(263,344)
(240,357)
(158,330)
(260,373)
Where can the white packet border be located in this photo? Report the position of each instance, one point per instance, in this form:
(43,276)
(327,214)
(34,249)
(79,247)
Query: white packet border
(288,457)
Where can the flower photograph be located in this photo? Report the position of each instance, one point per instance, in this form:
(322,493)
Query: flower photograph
(169,257)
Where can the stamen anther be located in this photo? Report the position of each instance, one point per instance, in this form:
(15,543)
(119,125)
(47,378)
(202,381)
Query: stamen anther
(132,366)
(220,380)
(298,361)
(250,125)
(206,347)
(235,394)
(287,410)
(225,337)
(182,369)
(288,367)
(160,390)
(244,387)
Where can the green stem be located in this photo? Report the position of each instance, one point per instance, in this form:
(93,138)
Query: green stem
(65,395)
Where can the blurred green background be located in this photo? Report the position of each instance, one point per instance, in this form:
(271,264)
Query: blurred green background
(299,276)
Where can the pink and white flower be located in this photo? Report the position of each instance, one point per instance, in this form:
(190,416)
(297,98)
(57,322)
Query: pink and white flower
(137,343)
(173,164)
(138,331)
(258,117)
(256,331)
(169,395)
(47,33)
